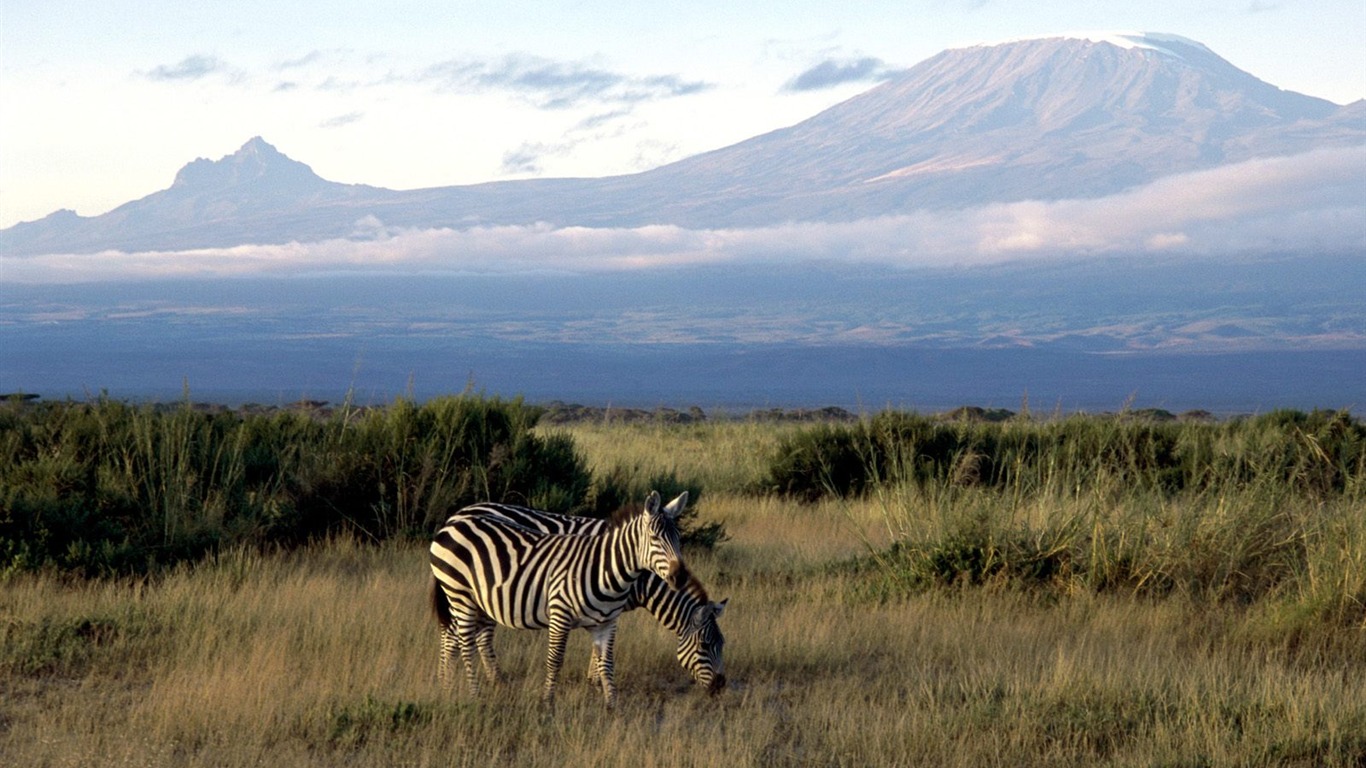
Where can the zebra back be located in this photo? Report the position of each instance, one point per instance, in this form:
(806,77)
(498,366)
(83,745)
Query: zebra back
(535,519)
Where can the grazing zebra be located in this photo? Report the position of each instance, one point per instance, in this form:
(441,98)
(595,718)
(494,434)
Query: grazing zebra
(494,571)
(687,612)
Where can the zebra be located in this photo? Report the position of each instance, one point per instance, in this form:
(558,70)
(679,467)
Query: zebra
(493,571)
(687,612)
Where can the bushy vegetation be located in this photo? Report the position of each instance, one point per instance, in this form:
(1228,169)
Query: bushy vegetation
(1268,506)
(1319,453)
(109,487)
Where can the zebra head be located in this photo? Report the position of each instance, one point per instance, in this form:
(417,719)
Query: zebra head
(664,546)
(700,645)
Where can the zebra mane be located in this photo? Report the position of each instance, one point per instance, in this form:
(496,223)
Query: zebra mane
(621,516)
(695,589)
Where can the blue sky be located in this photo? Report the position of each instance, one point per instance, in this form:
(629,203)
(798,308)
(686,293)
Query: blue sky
(101,103)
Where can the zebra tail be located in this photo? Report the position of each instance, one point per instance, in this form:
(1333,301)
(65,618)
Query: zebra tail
(441,607)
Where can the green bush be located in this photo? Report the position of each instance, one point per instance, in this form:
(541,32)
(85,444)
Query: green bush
(1321,453)
(829,459)
(626,487)
(108,487)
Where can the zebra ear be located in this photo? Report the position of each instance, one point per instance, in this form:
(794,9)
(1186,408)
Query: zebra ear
(652,503)
(701,615)
(677,506)
(720,607)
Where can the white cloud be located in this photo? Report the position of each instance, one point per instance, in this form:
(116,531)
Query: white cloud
(341,120)
(552,84)
(193,67)
(1311,202)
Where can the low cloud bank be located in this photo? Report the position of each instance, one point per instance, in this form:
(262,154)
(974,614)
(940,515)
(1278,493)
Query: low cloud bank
(1312,202)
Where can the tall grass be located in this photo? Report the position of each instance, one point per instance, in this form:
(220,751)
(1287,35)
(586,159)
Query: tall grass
(1263,508)
(721,456)
(108,487)
(325,656)
(1321,453)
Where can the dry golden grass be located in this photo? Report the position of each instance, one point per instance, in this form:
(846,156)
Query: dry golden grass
(327,657)
(722,455)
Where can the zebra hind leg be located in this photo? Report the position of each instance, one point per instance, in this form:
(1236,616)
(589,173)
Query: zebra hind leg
(604,643)
(449,647)
(484,642)
(466,632)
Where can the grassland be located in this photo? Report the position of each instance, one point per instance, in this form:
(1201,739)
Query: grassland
(945,621)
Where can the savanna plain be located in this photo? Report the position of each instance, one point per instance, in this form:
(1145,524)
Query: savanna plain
(969,589)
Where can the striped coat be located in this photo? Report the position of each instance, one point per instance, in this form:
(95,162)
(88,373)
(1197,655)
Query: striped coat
(491,570)
(688,612)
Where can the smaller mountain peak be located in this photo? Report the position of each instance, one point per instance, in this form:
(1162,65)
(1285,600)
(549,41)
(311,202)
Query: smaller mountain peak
(255,161)
(257,145)
(257,149)
(259,152)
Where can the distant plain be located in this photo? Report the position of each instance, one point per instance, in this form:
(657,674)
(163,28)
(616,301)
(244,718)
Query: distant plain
(1075,335)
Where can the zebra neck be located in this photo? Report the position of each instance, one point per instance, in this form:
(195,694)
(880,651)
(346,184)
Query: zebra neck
(619,548)
(671,607)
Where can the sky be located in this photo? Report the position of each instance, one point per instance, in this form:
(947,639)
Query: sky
(101,103)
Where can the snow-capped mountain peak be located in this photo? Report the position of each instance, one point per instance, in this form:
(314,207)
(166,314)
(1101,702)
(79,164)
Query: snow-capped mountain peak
(1162,42)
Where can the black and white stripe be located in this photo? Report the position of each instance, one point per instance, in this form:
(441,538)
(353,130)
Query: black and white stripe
(688,612)
(490,570)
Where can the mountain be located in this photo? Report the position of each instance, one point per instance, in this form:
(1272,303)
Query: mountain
(1036,119)
(253,195)
(1053,118)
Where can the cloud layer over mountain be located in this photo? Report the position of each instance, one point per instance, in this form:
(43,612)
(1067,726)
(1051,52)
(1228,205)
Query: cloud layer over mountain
(1309,202)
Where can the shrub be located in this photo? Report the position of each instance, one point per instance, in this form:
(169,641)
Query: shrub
(1320,453)
(107,487)
(623,486)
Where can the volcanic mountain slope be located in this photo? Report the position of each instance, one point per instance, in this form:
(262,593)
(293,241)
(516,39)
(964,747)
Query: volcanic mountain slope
(1036,119)
(1053,118)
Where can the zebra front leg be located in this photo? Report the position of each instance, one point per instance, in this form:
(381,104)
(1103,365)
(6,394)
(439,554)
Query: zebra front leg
(593,665)
(604,643)
(554,657)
